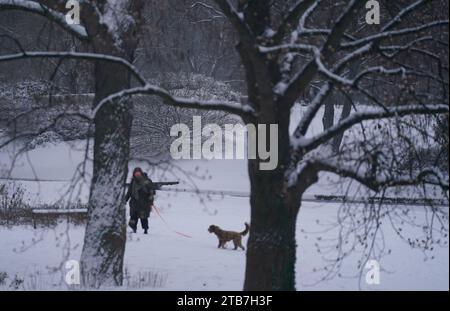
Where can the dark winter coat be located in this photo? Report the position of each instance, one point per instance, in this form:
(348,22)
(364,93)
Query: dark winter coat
(141,195)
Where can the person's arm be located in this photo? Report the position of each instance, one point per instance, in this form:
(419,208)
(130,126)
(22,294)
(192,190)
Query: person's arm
(151,187)
(150,191)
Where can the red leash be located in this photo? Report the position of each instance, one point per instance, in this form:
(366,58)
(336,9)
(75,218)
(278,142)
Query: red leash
(167,225)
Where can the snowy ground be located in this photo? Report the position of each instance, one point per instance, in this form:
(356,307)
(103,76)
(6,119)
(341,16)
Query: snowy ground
(195,263)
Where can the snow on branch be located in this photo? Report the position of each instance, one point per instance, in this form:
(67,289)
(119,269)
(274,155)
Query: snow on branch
(394,33)
(376,183)
(76,55)
(295,13)
(303,145)
(236,18)
(407,46)
(37,8)
(116,16)
(321,68)
(145,89)
(216,13)
(403,13)
(376,69)
(313,108)
(294,86)
(148,89)
(325,90)
(50,127)
(300,81)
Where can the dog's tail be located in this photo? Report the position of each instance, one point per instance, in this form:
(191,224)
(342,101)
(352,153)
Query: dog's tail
(247,228)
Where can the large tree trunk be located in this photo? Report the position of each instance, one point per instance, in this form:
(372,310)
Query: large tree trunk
(275,204)
(271,252)
(104,242)
(271,246)
(105,237)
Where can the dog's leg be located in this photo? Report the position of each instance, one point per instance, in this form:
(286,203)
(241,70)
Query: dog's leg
(239,242)
(236,243)
(240,245)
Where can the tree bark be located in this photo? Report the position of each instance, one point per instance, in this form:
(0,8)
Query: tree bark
(104,242)
(271,254)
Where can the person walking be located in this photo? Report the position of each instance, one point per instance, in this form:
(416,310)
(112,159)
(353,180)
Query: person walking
(141,195)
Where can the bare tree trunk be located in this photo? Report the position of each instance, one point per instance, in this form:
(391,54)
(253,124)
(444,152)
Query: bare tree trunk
(104,242)
(271,252)
(105,237)
(271,246)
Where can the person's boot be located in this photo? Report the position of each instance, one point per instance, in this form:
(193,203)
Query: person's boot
(145,231)
(132,226)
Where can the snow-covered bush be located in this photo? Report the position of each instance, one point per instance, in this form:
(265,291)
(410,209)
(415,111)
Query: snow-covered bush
(16,283)
(441,133)
(3,277)
(50,115)
(40,112)
(19,97)
(153,118)
(144,279)
(13,207)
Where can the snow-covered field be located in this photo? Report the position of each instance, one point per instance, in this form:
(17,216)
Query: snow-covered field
(181,263)
(196,264)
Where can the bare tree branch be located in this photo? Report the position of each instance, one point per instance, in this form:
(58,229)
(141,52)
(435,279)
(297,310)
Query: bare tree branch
(37,8)
(307,144)
(299,82)
(376,183)
(291,20)
(231,107)
(76,55)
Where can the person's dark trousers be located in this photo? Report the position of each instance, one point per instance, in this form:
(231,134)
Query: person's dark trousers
(144,223)
(133,222)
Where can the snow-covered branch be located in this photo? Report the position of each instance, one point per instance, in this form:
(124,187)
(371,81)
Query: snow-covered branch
(52,126)
(236,18)
(303,145)
(394,33)
(38,8)
(313,108)
(398,18)
(216,13)
(148,89)
(76,55)
(325,90)
(300,81)
(292,18)
(376,183)
(145,89)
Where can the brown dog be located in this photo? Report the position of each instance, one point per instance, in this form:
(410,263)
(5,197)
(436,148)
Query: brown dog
(225,236)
